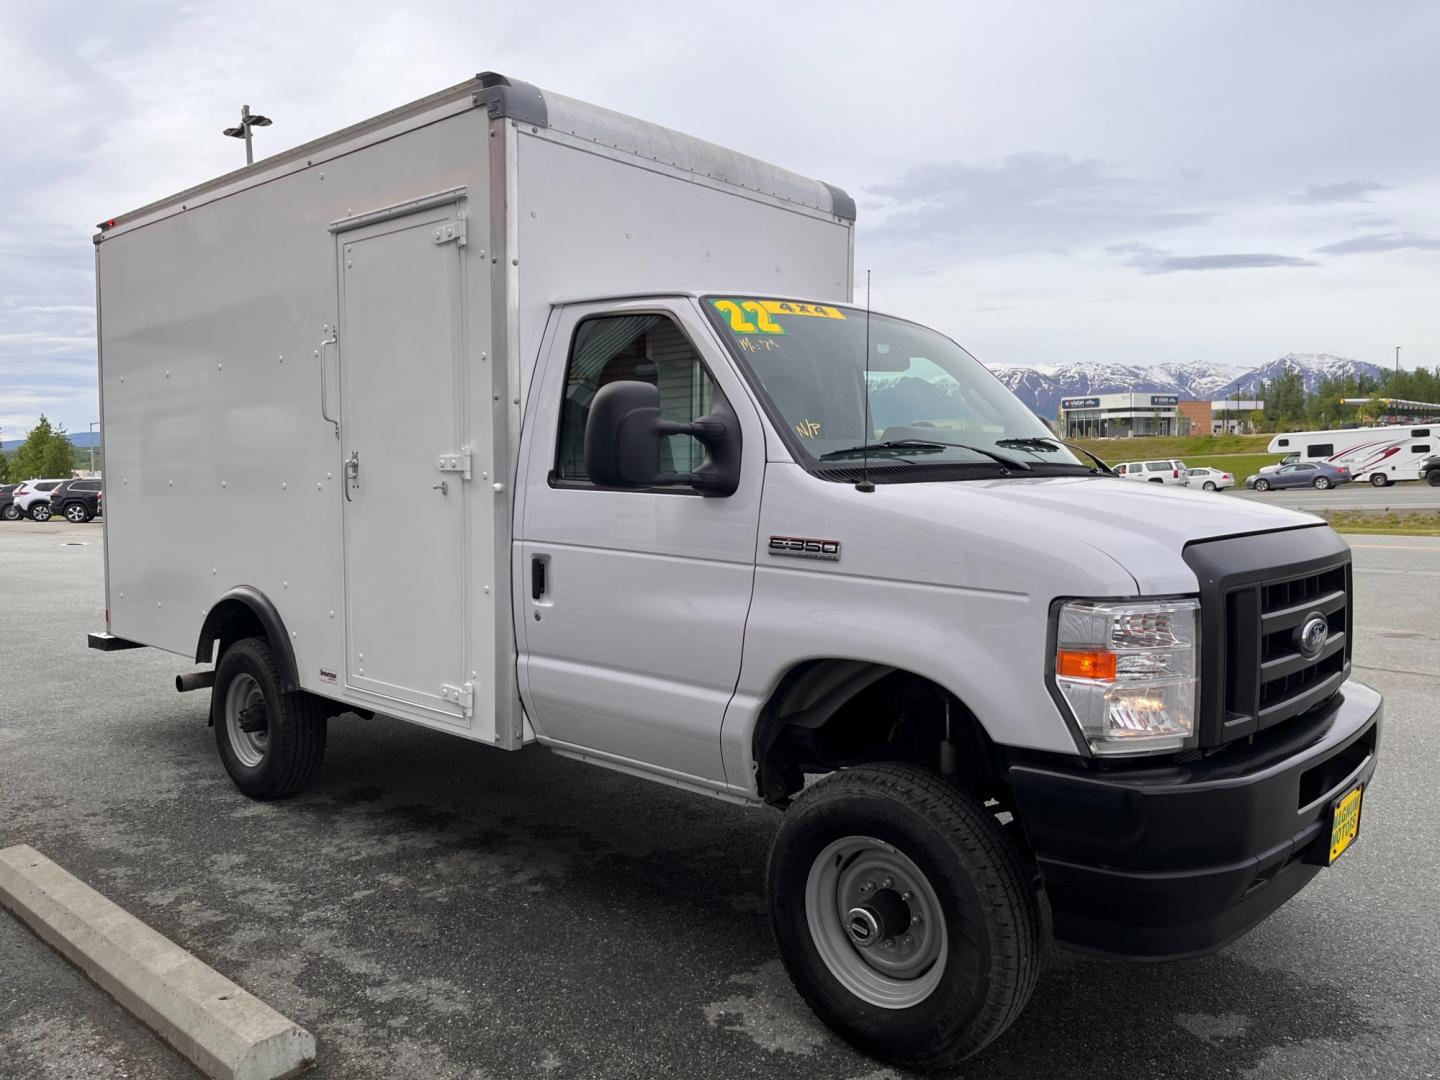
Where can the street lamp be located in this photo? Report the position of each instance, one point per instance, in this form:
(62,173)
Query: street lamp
(243,131)
(1397,359)
(93,425)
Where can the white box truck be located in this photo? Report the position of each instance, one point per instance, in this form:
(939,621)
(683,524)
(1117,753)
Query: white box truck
(513,417)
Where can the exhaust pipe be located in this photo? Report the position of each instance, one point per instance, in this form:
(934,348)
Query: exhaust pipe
(194,680)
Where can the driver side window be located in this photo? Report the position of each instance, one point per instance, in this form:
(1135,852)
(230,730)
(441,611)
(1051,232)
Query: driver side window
(645,348)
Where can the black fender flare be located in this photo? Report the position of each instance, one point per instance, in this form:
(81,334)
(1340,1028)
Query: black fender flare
(246,598)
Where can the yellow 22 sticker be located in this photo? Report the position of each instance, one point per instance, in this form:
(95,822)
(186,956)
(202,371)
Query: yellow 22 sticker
(758,316)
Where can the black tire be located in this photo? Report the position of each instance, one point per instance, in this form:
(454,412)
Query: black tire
(40,511)
(1322,482)
(11,512)
(1379,480)
(295,729)
(1209,485)
(1156,480)
(1262,485)
(1433,477)
(77,513)
(982,883)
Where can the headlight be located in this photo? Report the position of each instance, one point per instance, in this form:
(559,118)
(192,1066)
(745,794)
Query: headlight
(1127,669)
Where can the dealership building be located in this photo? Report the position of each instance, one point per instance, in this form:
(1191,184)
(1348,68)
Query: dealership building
(1111,416)
(1108,416)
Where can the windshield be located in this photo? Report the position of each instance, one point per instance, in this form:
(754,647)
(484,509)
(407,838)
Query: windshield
(808,362)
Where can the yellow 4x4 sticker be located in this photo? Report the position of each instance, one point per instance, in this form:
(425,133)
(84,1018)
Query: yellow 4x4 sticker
(758,316)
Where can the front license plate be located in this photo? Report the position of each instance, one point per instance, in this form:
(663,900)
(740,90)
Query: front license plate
(1345,825)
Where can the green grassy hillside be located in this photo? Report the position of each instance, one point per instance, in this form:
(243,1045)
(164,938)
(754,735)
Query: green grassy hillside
(1186,446)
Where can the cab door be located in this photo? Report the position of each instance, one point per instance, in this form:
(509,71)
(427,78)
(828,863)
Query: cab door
(632,603)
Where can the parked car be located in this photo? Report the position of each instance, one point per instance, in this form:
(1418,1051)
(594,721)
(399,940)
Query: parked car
(78,500)
(1167,471)
(32,498)
(1210,479)
(1315,474)
(1429,470)
(8,510)
(1288,459)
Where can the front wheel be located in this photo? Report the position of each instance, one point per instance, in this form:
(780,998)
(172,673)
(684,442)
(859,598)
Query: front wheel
(40,512)
(1262,485)
(1322,482)
(271,742)
(905,916)
(1379,479)
(1433,478)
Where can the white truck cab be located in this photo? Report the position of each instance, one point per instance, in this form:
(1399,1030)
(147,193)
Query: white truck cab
(525,421)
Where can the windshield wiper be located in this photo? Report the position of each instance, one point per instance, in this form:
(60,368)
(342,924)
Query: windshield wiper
(924,445)
(1052,442)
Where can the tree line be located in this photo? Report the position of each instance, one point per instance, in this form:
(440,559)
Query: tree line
(1289,407)
(47,452)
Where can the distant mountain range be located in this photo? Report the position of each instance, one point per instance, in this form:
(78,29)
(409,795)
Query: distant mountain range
(1042,388)
(78,439)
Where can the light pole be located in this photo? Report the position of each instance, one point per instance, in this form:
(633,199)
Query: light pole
(1397,359)
(243,131)
(93,425)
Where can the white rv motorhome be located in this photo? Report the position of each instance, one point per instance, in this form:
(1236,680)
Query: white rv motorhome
(529,422)
(1379,455)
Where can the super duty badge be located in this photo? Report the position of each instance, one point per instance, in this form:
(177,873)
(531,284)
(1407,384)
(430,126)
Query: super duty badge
(804,547)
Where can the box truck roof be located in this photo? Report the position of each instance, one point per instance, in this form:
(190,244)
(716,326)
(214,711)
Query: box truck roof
(522,104)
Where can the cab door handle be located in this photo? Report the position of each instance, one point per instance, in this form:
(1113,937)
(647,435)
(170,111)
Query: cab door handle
(537,577)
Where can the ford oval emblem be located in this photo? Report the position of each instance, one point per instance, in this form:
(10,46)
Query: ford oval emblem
(1314,632)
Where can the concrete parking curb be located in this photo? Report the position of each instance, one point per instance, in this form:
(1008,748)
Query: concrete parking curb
(222,1029)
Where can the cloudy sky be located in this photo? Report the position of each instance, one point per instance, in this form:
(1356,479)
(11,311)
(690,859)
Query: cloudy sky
(1048,182)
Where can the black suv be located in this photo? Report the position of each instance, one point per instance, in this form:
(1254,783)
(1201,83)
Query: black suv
(78,500)
(8,510)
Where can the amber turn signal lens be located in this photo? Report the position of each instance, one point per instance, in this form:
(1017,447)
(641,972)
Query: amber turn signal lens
(1075,664)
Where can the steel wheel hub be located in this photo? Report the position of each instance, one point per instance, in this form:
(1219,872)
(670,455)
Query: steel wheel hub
(876,922)
(247,722)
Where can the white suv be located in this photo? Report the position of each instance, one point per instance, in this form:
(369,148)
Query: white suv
(1168,471)
(32,498)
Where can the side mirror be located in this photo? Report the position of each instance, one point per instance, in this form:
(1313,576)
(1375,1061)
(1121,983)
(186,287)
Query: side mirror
(622,442)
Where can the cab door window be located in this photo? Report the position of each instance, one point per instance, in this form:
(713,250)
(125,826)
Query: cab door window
(645,348)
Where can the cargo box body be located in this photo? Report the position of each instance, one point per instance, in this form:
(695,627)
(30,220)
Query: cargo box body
(314,372)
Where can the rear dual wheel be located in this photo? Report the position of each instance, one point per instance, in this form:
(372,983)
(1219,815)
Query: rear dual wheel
(905,916)
(270,741)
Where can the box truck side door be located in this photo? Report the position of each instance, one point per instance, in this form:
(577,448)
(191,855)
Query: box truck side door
(631,604)
(401,407)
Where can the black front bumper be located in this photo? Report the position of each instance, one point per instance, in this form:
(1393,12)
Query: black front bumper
(1175,861)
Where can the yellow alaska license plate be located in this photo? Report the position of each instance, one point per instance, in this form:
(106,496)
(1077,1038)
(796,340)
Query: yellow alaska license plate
(1345,825)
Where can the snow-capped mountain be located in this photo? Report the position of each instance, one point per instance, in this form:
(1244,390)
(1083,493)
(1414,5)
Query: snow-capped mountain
(1042,388)
(1313,367)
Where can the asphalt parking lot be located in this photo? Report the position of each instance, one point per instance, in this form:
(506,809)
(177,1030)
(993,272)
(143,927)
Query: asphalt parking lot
(430,908)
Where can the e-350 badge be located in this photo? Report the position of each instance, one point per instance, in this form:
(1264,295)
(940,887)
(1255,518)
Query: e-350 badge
(805,547)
